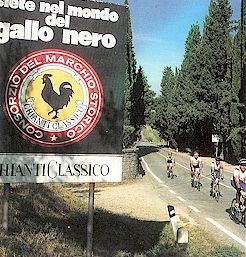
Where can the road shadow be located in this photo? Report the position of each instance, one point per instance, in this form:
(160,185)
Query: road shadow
(145,150)
(133,235)
(37,209)
(232,217)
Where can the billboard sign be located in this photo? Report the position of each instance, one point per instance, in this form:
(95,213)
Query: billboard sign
(62,68)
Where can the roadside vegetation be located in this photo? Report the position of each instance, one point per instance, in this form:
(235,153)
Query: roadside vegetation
(151,135)
(50,221)
(206,89)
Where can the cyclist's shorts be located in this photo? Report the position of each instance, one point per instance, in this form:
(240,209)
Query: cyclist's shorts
(196,169)
(217,174)
(169,164)
(242,184)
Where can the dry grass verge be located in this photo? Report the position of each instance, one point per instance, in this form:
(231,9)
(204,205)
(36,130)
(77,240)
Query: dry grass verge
(50,221)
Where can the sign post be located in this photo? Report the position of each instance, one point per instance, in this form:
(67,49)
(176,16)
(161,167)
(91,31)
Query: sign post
(172,215)
(5,221)
(216,139)
(90,220)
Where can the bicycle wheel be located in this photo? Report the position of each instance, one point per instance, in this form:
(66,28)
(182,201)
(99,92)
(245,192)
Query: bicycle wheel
(168,173)
(241,213)
(244,218)
(216,193)
(233,212)
(195,183)
(216,196)
(198,187)
(171,174)
(192,182)
(232,209)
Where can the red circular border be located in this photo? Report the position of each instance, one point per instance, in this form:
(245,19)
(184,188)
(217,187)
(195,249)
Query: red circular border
(59,134)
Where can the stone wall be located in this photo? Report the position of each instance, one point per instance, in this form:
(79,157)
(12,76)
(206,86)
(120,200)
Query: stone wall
(130,163)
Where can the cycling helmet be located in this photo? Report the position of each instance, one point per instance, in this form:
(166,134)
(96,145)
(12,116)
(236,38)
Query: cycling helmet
(169,154)
(242,162)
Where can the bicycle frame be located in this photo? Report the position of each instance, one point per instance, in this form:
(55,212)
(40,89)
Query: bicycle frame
(239,216)
(170,170)
(196,179)
(216,188)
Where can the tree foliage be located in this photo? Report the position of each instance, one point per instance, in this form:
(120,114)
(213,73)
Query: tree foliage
(138,95)
(205,95)
(130,70)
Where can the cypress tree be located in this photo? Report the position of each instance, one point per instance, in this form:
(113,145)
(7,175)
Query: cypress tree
(137,117)
(215,67)
(166,120)
(149,101)
(188,76)
(188,90)
(130,70)
(207,95)
(243,73)
(237,138)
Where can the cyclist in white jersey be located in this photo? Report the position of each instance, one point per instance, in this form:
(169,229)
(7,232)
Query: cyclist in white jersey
(195,165)
(238,180)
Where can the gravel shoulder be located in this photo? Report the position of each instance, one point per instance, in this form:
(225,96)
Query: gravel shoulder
(138,198)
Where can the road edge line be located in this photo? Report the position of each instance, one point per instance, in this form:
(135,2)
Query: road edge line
(152,174)
(194,208)
(201,174)
(229,233)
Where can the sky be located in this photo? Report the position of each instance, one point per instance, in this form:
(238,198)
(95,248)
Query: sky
(160,29)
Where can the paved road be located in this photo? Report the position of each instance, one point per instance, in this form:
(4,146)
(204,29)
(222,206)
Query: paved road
(203,208)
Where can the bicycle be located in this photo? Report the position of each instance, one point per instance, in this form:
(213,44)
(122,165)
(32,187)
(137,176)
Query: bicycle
(216,190)
(196,180)
(238,215)
(170,171)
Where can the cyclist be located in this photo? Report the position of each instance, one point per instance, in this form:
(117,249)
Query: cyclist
(196,166)
(216,172)
(238,180)
(170,163)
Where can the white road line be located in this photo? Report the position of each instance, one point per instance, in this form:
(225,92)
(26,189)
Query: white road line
(148,168)
(162,154)
(181,199)
(164,185)
(182,166)
(226,186)
(193,208)
(233,236)
(201,174)
(229,233)
(229,171)
(172,192)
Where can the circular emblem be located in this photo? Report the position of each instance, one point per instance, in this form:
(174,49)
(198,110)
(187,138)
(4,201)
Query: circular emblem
(53,97)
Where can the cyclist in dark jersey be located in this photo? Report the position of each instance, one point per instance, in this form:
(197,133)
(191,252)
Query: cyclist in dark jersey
(216,172)
(170,163)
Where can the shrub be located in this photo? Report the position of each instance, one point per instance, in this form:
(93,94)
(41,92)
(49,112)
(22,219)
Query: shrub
(225,251)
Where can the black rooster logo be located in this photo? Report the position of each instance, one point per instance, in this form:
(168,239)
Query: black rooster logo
(54,100)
